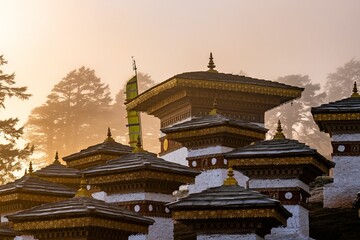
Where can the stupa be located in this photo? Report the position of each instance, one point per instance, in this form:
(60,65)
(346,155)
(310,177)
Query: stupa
(341,120)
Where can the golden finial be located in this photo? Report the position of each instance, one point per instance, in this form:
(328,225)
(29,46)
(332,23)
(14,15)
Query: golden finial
(138,147)
(83,191)
(211,65)
(56,161)
(230,180)
(214,108)
(279,134)
(30,168)
(109,136)
(355,91)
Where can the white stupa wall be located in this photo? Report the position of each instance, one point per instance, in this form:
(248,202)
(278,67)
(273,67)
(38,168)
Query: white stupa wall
(342,192)
(215,178)
(178,156)
(297,225)
(229,237)
(208,151)
(163,228)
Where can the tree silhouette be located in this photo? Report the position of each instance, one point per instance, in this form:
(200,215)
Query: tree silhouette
(340,83)
(296,118)
(11,154)
(73,117)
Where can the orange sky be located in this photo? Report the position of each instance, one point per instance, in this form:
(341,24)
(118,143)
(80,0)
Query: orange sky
(45,39)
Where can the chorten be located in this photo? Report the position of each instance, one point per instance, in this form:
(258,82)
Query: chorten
(229,212)
(341,119)
(282,169)
(191,94)
(144,183)
(81,217)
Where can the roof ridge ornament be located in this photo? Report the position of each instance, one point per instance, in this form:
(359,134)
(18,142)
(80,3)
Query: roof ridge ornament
(214,108)
(56,161)
(279,134)
(138,147)
(355,91)
(211,64)
(31,170)
(83,191)
(109,136)
(230,180)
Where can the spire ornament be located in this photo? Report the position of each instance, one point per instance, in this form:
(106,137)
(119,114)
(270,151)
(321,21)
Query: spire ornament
(83,191)
(30,168)
(138,147)
(109,136)
(211,64)
(230,180)
(355,91)
(56,161)
(279,134)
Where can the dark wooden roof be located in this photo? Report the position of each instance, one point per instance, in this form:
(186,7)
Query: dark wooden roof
(347,105)
(226,77)
(211,121)
(35,185)
(106,147)
(79,207)
(227,197)
(139,161)
(58,170)
(277,148)
(215,82)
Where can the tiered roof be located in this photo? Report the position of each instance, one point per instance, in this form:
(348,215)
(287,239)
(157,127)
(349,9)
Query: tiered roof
(30,191)
(279,157)
(187,94)
(81,216)
(125,173)
(97,154)
(339,116)
(58,173)
(229,209)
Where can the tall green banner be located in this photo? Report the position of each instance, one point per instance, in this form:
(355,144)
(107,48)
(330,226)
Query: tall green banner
(134,123)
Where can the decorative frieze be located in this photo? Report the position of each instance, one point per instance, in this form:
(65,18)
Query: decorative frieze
(287,196)
(147,208)
(346,148)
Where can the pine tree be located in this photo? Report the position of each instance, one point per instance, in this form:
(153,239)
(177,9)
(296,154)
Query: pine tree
(11,155)
(74,116)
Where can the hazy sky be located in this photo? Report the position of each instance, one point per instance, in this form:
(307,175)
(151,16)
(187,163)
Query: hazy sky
(43,40)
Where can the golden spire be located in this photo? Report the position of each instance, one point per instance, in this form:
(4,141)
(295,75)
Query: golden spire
(138,147)
(279,134)
(30,168)
(211,65)
(355,91)
(109,137)
(83,191)
(230,180)
(56,161)
(214,108)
